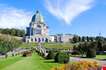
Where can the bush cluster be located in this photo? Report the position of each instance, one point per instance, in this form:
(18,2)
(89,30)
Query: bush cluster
(62,57)
(87,48)
(91,53)
(50,55)
(13,32)
(26,53)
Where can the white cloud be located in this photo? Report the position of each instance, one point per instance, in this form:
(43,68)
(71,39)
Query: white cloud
(11,17)
(67,10)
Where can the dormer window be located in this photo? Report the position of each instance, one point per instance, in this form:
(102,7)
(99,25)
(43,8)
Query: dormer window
(38,26)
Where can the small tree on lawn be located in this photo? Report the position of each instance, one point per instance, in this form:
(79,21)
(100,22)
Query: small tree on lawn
(91,50)
(62,57)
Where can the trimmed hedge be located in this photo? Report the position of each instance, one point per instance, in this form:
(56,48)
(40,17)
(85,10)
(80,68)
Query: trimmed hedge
(91,53)
(26,53)
(62,57)
(50,55)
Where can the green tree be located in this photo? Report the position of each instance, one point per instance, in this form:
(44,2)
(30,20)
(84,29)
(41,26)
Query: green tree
(51,54)
(13,32)
(76,39)
(83,39)
(91,50)
(62,57)
(83,48)
(88,39)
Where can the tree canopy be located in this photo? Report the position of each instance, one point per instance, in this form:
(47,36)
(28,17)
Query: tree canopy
(13,32)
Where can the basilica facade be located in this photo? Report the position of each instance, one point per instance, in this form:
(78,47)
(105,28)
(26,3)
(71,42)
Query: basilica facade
(37,30)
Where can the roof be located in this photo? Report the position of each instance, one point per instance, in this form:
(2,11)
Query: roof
(37,17)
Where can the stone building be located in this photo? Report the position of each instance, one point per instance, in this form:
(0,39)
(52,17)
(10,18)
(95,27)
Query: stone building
(37,30)
(61,38)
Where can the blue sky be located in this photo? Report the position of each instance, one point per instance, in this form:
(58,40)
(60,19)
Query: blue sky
(82,17)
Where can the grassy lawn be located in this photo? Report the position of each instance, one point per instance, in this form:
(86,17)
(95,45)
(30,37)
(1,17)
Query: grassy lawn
(10,60)
(48,45)
(100,56)
(58,45)
(28,45)
(35,62)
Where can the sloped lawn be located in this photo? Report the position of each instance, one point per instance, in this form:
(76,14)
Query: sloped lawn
(34,62)
(10,60)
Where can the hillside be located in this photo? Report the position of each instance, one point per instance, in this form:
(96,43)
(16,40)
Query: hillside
(19,38)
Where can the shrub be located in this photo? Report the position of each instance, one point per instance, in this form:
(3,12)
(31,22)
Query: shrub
(75,52)
(56,57)
(50,55)
(91,53)
(26,53)
(62,57)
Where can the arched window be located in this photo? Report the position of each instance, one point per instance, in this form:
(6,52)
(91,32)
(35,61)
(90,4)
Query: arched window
(35,39)
(39,40)
(46,40)
(32,39)
(38,26)
(42,39)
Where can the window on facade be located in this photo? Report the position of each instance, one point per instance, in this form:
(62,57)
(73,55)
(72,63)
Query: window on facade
(42,39)
(46,40)
(38,31)
(35,39)
(39,40)
(38,26)
(31,39)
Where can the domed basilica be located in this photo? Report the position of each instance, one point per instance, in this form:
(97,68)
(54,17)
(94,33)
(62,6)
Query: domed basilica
(37,30)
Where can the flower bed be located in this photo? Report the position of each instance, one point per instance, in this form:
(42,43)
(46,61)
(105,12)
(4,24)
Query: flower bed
(81,65)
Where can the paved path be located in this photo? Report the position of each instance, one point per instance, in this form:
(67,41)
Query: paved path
(103,62)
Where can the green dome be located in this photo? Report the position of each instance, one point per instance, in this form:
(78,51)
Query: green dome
(37,17)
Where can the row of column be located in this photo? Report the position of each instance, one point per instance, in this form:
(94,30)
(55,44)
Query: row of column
(39,40)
